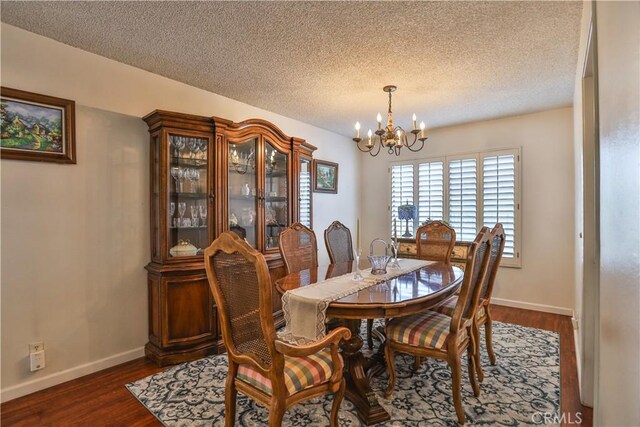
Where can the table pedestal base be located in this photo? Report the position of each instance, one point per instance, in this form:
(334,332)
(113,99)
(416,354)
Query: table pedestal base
(358,388)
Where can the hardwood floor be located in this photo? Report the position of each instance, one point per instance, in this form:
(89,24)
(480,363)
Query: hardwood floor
(101,399)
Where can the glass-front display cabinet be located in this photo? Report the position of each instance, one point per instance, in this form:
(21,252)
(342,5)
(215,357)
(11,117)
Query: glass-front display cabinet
(210,175)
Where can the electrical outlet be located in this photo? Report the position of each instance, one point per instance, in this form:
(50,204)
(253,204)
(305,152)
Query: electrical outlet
(36,360)
(34,347)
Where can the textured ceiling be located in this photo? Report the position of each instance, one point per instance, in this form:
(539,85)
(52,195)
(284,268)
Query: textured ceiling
(325,63)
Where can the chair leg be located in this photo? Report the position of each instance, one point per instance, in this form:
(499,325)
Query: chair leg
(335,407)
(370,333)
(231,395)
(417,361)
(476,353)
(391,368)
(488,334)
(454,364)
(276,413)
(471,364)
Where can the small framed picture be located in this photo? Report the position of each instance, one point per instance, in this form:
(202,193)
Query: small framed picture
(325,177)
(36,127)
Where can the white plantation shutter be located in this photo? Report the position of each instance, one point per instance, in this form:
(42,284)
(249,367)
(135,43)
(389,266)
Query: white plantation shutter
(500,196)
(469,191)
(401,193)
(305,196)
(430,191)
(463,197)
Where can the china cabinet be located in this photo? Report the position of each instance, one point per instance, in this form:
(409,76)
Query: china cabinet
(209,175)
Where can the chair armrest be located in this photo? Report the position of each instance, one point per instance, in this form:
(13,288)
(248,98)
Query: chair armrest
(332,339)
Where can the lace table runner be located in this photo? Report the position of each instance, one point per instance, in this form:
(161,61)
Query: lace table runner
(305,308)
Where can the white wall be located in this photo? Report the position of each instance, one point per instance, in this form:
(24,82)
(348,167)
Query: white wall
(618,327)
(75,238)
(546,279)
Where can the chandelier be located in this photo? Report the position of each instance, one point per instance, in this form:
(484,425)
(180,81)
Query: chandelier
(390,137)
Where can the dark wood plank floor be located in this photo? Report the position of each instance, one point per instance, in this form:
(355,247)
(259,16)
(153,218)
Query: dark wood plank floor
(101,399)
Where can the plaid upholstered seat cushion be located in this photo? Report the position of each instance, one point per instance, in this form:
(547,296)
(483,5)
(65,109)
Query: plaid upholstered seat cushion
(449,305)
(299,373)
(429,329)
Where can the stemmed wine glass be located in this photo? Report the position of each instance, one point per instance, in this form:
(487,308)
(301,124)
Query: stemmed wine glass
(182,208)
(178,144)
(178,175)
(202,146)
(194,215)
(192,143)
(193,175)
(357,276)
(203,214)
(394,245)
(172,211)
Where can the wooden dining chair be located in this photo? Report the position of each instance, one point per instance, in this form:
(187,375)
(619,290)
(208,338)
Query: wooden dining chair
(432,334)
(435,241)
(270,371)
(337,238)
(298,247)
(483,314)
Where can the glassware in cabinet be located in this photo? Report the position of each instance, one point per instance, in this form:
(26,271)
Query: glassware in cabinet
(188,194)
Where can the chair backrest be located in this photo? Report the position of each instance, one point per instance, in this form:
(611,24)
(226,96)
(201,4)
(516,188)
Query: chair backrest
(298,248)
(474,273)
(497,248)
(435,241)
(241,286)
(339,245)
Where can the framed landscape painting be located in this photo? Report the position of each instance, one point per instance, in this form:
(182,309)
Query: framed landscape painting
(36,127)
(325,177)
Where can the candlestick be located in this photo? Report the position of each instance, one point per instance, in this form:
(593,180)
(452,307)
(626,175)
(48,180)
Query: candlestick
(395,230)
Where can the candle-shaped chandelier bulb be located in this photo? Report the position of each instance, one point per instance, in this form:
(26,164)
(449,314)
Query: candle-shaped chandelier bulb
(357,129)
(414,121)
(369,134)
(422,132)
(379,119)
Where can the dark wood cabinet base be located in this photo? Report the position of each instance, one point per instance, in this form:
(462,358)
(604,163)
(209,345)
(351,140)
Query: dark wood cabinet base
(172,357)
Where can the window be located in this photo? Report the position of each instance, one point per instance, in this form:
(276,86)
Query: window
(430,191)
(469,191)
(499,196)
(401,194)
(305,192)
(463,191)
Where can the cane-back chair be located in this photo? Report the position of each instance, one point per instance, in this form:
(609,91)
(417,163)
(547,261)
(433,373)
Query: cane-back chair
(270,371)
(436,335)
(483,315)
(337,238)
(298,247)
(435,241)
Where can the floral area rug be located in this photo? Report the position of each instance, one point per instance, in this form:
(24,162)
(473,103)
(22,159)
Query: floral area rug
(519,390)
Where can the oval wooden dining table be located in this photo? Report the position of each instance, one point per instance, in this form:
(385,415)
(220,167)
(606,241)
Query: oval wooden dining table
(401,296)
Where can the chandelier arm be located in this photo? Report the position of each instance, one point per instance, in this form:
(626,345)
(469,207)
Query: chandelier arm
(421,146)
(377,152)
(365,150)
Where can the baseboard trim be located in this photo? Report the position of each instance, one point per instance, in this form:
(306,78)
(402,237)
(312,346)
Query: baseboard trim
(531,306)
(56,378)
